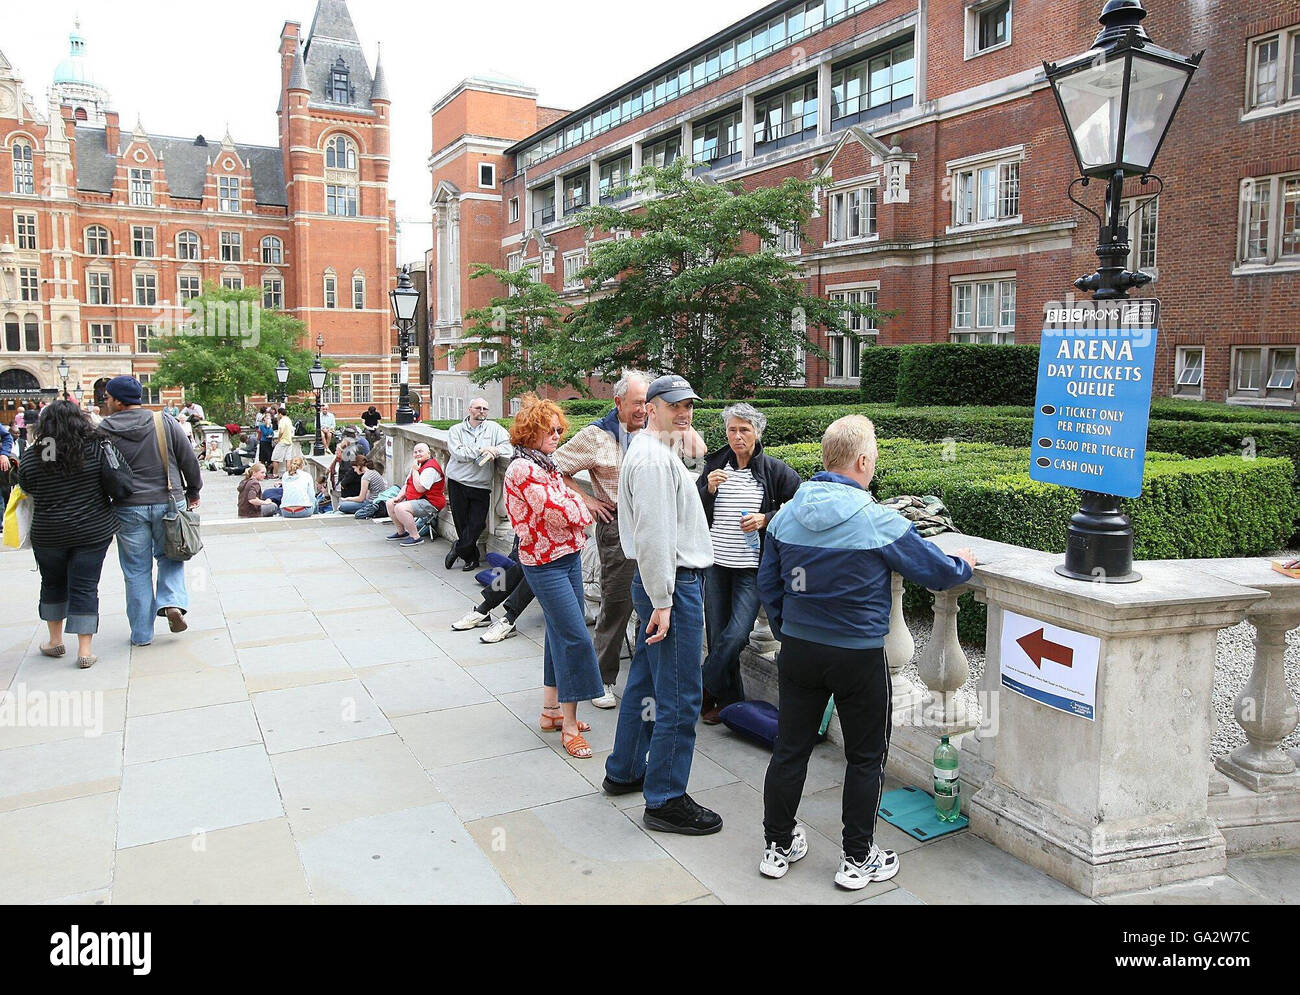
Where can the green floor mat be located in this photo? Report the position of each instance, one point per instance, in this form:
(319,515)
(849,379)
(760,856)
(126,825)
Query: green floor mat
(912,811)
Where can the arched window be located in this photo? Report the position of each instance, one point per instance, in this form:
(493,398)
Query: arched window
(272,251)
(341,153)
(81,114)
(97,243)
(13,333)
(24,172)
(331,289)
(340,82)
(31,333)
(358,291)
(188,246)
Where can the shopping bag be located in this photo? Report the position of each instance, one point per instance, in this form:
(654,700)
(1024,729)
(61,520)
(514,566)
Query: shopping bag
(18,519)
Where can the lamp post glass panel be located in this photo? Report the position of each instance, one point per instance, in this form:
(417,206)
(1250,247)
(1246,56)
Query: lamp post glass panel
(63,373)
(317,374)
(1118,101)
(405,300)
(282,375)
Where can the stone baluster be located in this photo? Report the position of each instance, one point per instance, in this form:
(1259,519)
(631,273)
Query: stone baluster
(899,648)
(1266,711)
(945,670)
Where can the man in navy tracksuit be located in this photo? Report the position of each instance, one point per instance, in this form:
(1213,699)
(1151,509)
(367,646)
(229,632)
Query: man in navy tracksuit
(825,582)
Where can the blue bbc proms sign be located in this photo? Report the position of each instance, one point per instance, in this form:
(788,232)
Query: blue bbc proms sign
(1094,395)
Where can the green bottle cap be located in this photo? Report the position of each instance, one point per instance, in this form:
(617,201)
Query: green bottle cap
(945,740)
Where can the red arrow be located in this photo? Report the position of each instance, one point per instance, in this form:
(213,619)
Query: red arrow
(1038,648)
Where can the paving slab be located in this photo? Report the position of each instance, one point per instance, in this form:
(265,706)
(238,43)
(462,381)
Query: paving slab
(425,686)
(190,731)
(302,717)
(1275,876)
(56,850)
(964,869)
(29,717)
(488,787)
(292,664)
(68,768)
(1218,890)
(458,735)
(185,689)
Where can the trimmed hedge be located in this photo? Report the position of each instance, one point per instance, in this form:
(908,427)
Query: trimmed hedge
(951,373)
(806,397)
(595,407)
(879,374)
(1173,409)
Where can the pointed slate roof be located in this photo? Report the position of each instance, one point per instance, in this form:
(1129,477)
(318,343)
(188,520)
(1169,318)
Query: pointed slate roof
(379,89)
(297,74)
(333,37)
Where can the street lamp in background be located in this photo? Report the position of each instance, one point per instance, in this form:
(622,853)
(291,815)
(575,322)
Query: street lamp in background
(317,374)
(63,372)
(405,300)
(78,392)
(1118,100)
(282,374)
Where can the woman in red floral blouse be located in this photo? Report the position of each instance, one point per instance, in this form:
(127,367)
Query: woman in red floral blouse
(551,521)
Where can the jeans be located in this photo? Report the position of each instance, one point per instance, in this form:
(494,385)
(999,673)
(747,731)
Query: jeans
(275,494)
(140,542)
(352,507)
(304,513)
(616,572)
(730,608)
(70,585)
(655,738)
(469,510)
(569,656)
(808,674)
(512,590)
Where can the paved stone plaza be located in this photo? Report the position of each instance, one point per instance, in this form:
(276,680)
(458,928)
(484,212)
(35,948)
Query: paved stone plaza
(321,735)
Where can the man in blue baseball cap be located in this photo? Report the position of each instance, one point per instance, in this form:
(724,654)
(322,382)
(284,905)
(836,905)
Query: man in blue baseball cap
(140,534)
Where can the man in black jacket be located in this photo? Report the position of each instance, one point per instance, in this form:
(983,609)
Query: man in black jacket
(741,488)
(140,534)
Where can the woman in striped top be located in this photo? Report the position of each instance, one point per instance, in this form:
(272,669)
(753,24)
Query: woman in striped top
(741,488)
(72,523)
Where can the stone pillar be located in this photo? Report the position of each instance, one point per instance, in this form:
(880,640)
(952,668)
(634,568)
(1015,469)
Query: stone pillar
(1266,711)
(944,669)
(1119,802)
(899,647)
(824,99)
(746,127)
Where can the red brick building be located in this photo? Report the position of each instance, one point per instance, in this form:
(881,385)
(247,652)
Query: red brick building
(106,233)
(948,165)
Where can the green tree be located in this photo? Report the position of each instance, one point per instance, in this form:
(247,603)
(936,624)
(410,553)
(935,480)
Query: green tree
(228,349)
(683,295)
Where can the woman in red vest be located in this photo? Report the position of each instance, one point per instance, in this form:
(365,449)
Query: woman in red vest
(422,496)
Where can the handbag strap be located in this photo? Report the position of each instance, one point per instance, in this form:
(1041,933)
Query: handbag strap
(160,432)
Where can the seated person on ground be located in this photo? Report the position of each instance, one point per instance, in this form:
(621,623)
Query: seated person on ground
(251,502)
(422,496)
(298,488)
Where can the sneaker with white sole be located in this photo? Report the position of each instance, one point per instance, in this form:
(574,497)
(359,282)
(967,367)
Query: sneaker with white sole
(606,700)
(879,865)
(471,620)
(776,861)
(500,629)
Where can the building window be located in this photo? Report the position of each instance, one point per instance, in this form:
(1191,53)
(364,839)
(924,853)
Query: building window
(984,311)
(988,26)
(358,293)
(144,339)
(1264,373)
(97,241)
(1143,227)
(340,82)
(331,291)
(141,187)
(514,209)
(718,142)
(143,244)
(852,214)
(232,247)
(31,333)
(987,193)
(99,288)
(573,264)
(25,226)
(543,206)
(101,335)
(146,289)
(13,333)
(341,201)
(1273,76)
(1270,220)
(187,288)
(228,194)
(24,172)
(188,246)
(29,283)
(784,242)
(150,392)
(360,388)
(272,251)
(614,178)
(662,154)
(845,352)
(232,283)
(272,293)
(488,357)
(487,175)
(341,153)
(785,118)
(575,193)
(1189,370)
(873,87)
(332,393)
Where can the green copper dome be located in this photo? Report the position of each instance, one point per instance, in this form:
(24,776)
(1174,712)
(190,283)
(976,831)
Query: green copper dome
(75,68)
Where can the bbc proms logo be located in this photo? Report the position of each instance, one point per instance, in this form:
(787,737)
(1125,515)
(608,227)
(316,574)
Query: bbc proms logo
(93,949)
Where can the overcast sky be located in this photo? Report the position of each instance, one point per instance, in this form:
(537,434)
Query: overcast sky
(189,69)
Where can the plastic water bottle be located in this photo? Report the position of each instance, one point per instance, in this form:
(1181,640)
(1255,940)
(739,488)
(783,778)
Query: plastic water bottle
(751,538)
(947,782)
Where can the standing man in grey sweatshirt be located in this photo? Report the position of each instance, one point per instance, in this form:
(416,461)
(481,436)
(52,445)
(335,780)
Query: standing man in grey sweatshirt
(662,526)
(140,535)
(475,444)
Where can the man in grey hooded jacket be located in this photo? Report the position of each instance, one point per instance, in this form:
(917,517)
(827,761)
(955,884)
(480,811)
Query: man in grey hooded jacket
(140,534)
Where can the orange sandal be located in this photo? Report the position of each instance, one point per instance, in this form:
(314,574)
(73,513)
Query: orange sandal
(554,723)
(576,746)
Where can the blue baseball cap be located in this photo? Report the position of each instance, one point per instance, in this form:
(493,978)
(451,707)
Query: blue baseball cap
(671,388)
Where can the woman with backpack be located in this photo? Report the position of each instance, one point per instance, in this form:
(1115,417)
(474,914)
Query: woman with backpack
(68,479)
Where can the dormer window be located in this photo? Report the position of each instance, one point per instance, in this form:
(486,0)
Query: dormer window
(340,83)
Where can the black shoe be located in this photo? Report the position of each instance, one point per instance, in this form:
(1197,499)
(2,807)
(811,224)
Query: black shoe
(682,815)
(450,560)
(473,565)
(612,787)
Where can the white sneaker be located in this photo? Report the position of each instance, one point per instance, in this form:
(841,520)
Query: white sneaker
(606,700)
(776,861)
(497,631)
(880,865)
(471,620)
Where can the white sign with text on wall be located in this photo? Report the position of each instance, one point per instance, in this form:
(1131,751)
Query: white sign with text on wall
(1054,666)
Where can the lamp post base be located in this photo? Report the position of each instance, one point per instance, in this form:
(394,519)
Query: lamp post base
(1099,542)
(405,415)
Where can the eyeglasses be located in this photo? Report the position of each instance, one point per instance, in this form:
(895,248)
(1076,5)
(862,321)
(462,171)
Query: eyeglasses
(557,430)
